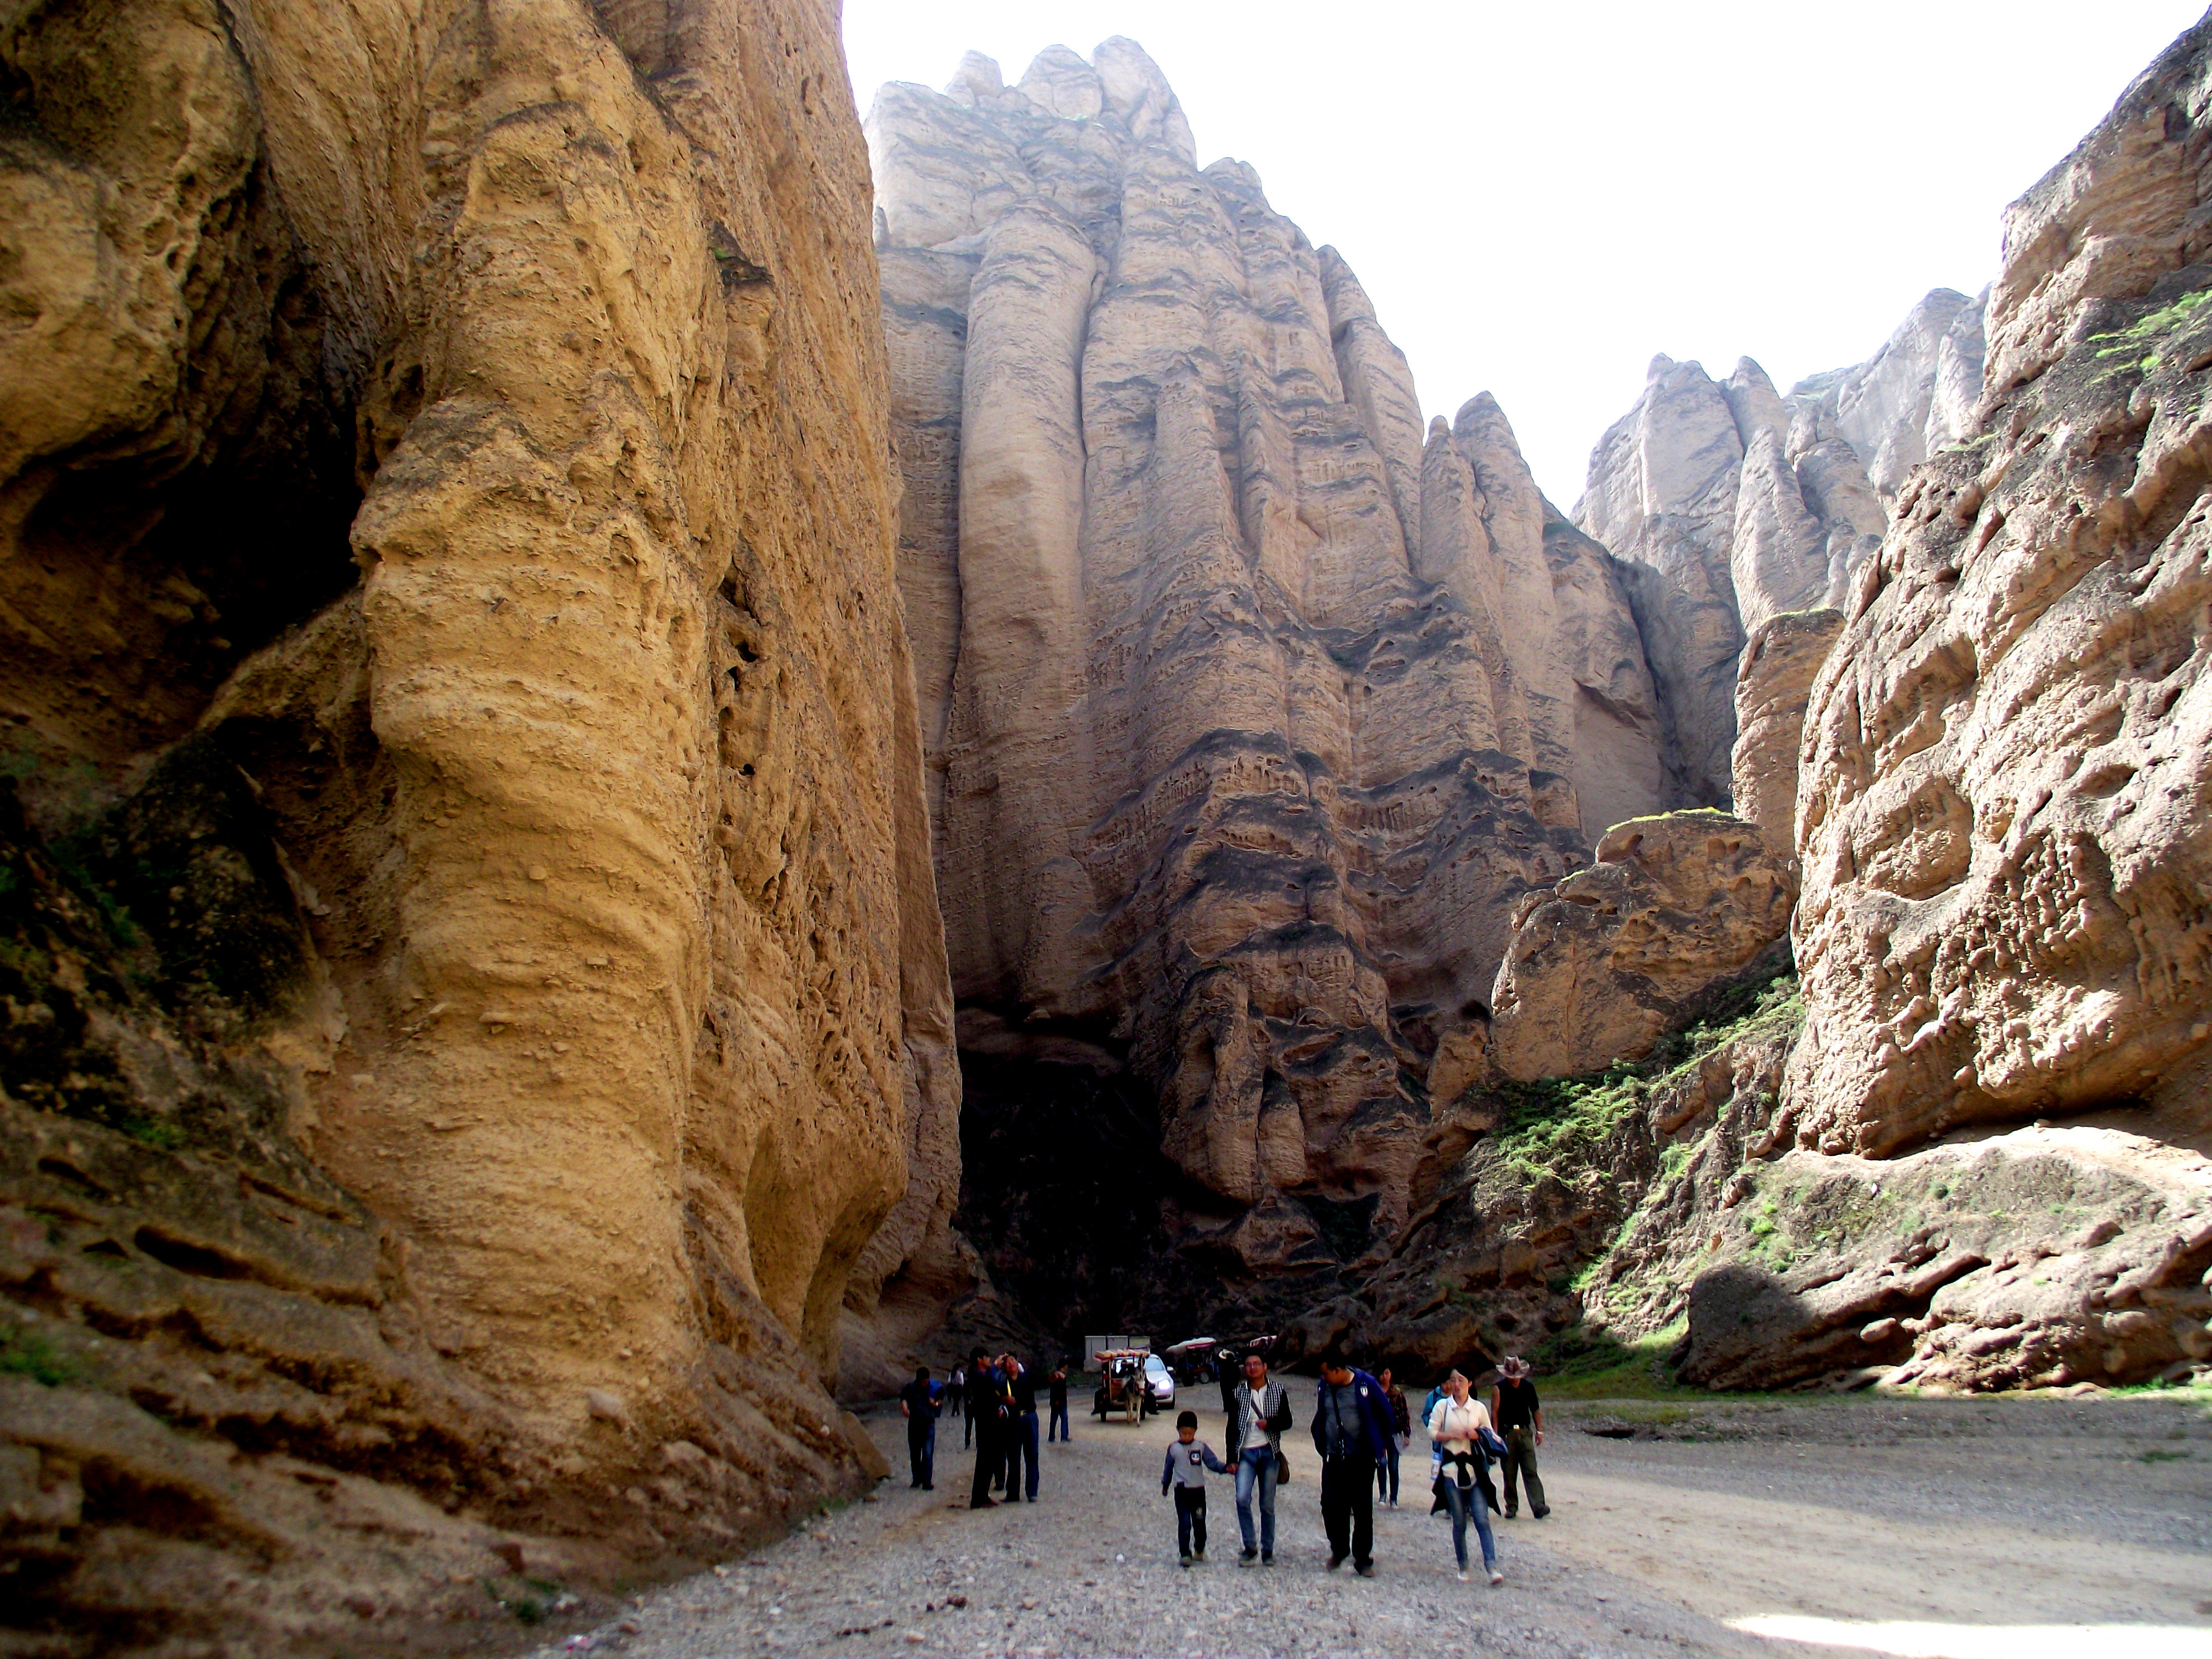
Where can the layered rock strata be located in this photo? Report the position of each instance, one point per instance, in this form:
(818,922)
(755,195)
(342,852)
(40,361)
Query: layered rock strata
(474,989)
(1250,712)
(2007,751)
(1998,813)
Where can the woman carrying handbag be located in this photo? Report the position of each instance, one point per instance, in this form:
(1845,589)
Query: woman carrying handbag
(1465,1442)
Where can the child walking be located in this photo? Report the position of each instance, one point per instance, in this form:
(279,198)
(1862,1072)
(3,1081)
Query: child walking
(1188,1459)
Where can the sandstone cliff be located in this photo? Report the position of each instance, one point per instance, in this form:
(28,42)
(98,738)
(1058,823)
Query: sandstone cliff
(1251,711)
(1733,504)
(2000,817)
(474,989)
(2005,752)
(1620,954)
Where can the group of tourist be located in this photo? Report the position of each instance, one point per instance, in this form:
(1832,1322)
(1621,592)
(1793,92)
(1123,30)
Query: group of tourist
(997,1399)
(1361,1424)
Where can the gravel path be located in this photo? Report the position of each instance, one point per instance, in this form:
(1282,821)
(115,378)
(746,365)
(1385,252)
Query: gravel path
(1989,1513)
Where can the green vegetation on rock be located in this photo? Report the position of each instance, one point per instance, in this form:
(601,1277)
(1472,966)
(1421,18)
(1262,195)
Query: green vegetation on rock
(1549,1125)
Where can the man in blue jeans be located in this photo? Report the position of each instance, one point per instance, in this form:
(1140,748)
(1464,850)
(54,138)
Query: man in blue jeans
(918,1405)
(1255,1440)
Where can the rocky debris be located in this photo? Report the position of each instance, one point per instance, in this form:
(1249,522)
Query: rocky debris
(473,983)
(2004,854)
(1617,955)
(1772,684)
(1249,715)
(2038,1259)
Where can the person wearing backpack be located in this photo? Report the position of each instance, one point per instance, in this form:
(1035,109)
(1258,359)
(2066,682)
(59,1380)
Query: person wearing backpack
(1255,1450)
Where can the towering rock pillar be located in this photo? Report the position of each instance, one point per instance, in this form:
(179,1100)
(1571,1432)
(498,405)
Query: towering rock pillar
(1661,495)
(1262,720)
(1018,734)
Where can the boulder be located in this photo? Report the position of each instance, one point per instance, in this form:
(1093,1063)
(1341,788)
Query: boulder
(1614,956)
(2039,1258)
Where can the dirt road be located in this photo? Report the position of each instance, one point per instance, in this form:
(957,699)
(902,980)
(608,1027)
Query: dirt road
(1976,1521)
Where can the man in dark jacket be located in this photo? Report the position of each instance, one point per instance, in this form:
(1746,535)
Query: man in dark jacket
(1021,1431)
(1351,1433)
(918,1405)
(988,1408)
(1056,1395)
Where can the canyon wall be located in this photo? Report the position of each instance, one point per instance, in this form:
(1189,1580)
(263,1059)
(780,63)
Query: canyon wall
(476,1019)
(1732,504)
(1250,709)
(1982,1162)
(2005,757)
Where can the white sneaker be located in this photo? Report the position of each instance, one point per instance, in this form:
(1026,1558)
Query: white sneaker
(1462,1577)
(1495,1579)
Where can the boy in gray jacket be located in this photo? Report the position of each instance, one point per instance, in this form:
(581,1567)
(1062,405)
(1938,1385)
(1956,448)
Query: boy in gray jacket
(1188,1459)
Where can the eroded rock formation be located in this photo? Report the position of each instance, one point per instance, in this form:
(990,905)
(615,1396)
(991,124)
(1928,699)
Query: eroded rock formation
(2007,753)
(1620,953)
(1733,504)
(2001,822)
(1251,713)
(1773,682)
(473,985)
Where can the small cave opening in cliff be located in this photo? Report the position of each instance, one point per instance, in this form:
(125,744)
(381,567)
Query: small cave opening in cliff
(149,567)
(1063,1180)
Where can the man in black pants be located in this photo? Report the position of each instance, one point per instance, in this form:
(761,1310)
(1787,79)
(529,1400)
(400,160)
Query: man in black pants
(1351,1433)
(918,1405)
(1021,1431)
(987,1410)
(1519,1416)
(1057,1393)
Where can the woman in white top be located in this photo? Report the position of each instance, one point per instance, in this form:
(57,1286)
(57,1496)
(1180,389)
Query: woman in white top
(1462,1471)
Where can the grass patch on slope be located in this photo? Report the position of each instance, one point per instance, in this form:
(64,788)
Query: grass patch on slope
(1552,1124)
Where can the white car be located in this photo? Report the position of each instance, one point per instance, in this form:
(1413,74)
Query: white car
(1162,1381)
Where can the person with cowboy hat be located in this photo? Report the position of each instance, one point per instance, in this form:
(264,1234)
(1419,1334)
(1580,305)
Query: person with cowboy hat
(1518,1416)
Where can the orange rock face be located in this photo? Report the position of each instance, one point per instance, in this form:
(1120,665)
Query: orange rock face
(473,942)
(2005,753)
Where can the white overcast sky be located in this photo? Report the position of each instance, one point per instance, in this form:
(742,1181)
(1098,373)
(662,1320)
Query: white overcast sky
(1540,196)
